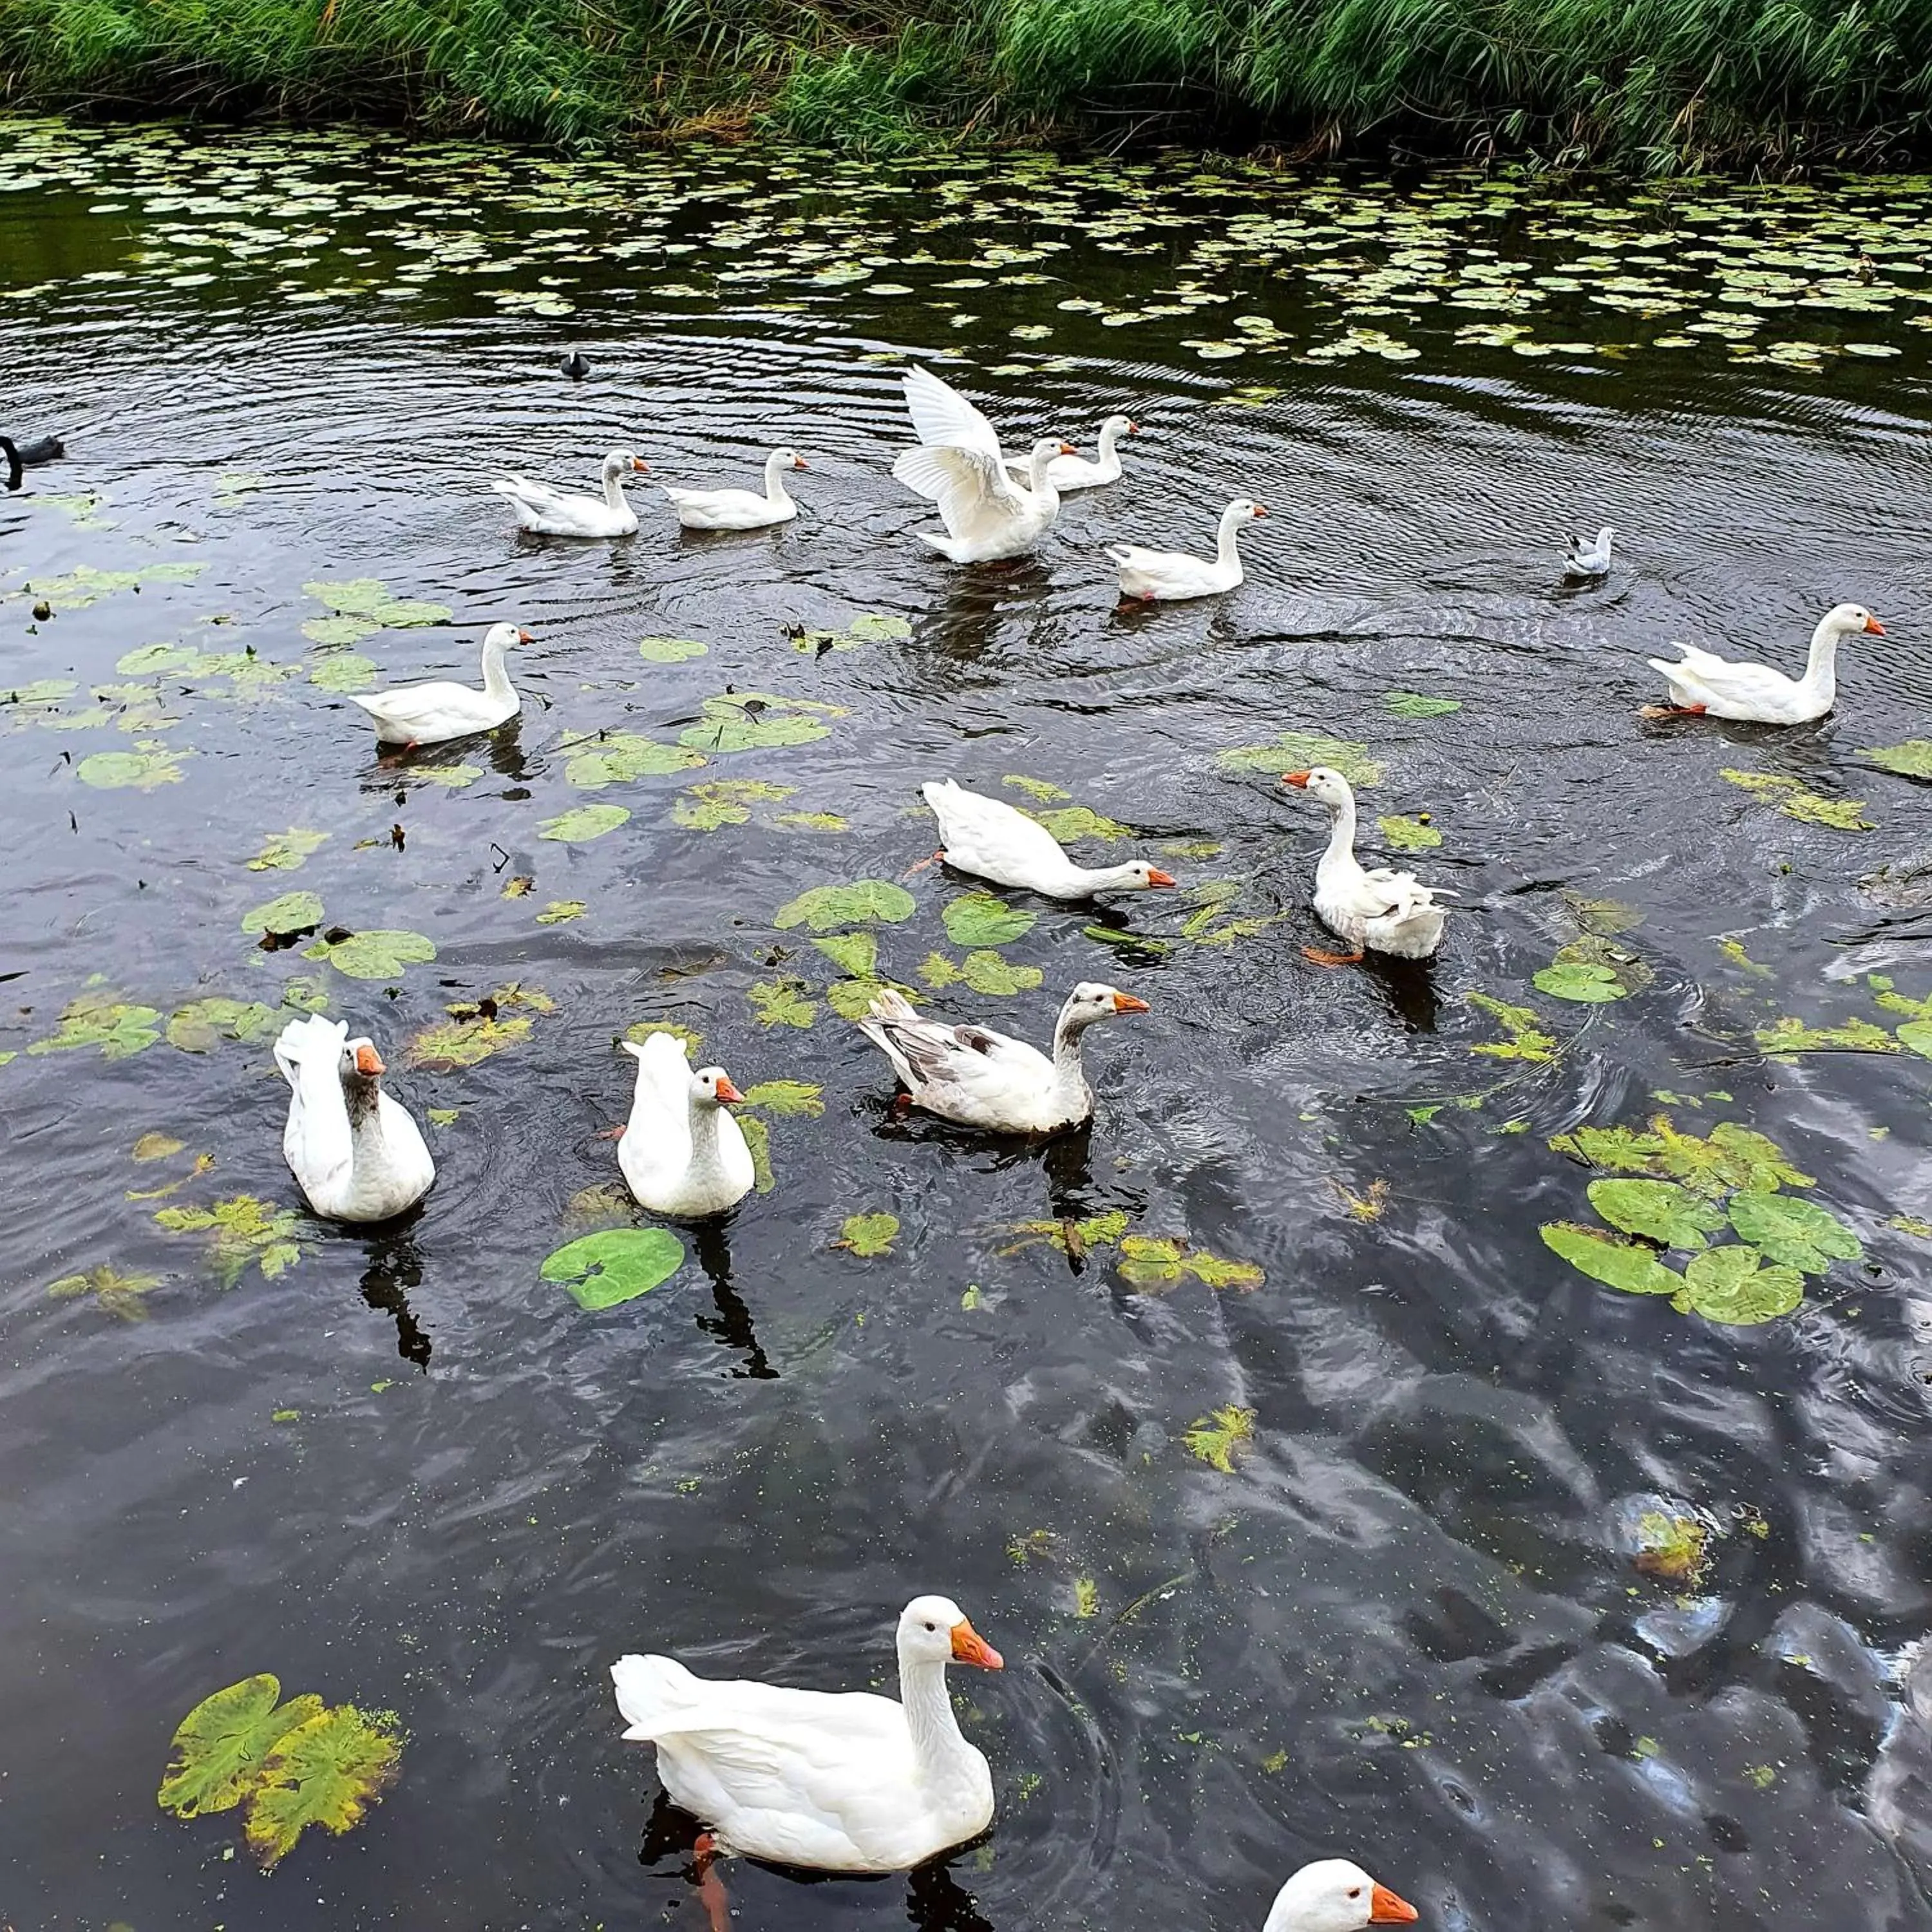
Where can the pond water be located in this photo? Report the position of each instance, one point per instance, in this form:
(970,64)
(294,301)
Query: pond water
(1354,1518)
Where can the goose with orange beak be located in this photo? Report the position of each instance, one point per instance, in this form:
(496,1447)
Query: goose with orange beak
(1069,473)
(1172,577)
(357,1154)
(1335,1895)
(681,1153)
(850,1782)
(552,512)
(1703,684)
(988,838)
(741,509)
(432,714)
(1378,911)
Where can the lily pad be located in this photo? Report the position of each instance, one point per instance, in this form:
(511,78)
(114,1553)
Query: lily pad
(1214,1437)
(344,671)
(1671,1546)
(283,851)
(704,808)
(787,1098)
(866,1235)
(1526,1040)
(1727,1284)
(582,823)
(381,955)
(825,908)
(472,1033)
(1587,985)
(202,1025)
(119,1294)
(560,912)
(1795,801)
(1416,704)
(293,912)
(118,1028)
(243,1232)
(1036,788)
(983,918)
(753,721)
(1295,751)
(221,1745)
(857,952)
(326,1771)
(619,757)
(1659,1210)
(1071,822)
(1911,760)
(984,972)
(1408,834)
(781,1003)
(1627,1265)
(1730,1156)
(852,999)
(141,769)
(671,650)
(1788,1034)
(617,1265)
(370,598)
(1799,1234)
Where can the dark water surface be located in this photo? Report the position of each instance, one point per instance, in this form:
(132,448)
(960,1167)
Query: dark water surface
(1407,1623)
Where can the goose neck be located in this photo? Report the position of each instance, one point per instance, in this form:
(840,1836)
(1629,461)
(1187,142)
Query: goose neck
(495,673)
(776,494)
(936,1739)
(1341,833)
(613,489)
(1037,466)
(1821,663)
(1225,549)
(706,1157)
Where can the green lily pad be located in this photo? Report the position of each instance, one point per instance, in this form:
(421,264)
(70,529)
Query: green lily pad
(202,1025)
(1296,751)
(116,1027)
(852,999)
(146,660)
(1627,1265)
(339,632)
(470,1035)
(752,721)
(1213,1438)
(1730,1156)
(812,821)
(1799,1234)
(781,1003)
(1526,1040)
(370,598)
(380,955)
(346,671)
(787,1098)
(1415,704)
(243,1232)
(560,912)
(1587,985)
(141,769)
(293,912)
(866,1235)
(992,973)
(857,952)
(620,757)
(582,823)
(983,918)
(824,908)
(617,1265)
(1408,834)
(705,808)
(1788,1034)
(671,650)
(1036,788)
(283,851)
(879,627)
(1071,823)
(1659,1210)
(221,1745)
(1671,1546)
(326,1771)
(1727,1284)
(1911,760)
(1795,801)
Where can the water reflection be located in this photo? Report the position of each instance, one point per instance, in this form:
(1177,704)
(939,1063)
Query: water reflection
(395,1267)
(710,1243)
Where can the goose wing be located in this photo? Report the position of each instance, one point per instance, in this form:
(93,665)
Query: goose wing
(974,827)
(943,418)
(317,1142)
(966,1067)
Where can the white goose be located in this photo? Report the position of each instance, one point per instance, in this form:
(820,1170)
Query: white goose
(1703,684)
(741,509)
(1068,473)
(960,468)
(991,838)
(980,1078)
(430,714)
(1591,559)
(1335,1895)
(1172,576)
(681,1153)
(1383,911)
(356,1154)
(851,1783)
(556,513)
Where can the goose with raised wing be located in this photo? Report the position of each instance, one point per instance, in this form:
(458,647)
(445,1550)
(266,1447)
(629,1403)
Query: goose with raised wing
(681,1153)
(994,840)
(1335,1895)
(958,467)
(1069,473)
(356,1154)
(558,513)
(977,1077)
(1381,911)
(431,714)
(849,1782)
(1703,684)
(1172,576)
(741,509)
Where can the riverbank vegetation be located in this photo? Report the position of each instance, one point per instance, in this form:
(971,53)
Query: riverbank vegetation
(1650,85)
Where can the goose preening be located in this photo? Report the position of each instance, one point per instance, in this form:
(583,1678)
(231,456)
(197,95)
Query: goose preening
(428,714)
(851,1782)
(356,1154)
(682,1154)
(993,840)
(1171,576)
(977,1077)
(741,509)
(1381,911)
(1335,1895)
(22,456)
(1590,560)
(1069,473)
(1702,684)
(959,469)
(556,513)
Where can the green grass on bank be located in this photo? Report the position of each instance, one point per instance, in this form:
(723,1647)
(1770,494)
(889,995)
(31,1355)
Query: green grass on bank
(1646,84)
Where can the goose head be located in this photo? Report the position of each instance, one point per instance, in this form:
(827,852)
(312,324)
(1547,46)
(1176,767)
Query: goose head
(1045,450)
(1846,619)
(1243,510)
(1335,1895)
(711,1086)
(1319,781)
(1089,1002)
(1119,425)
(619,461)
(1139,875)
(786,459)
(503,637)
(934,1630)
(362,1070)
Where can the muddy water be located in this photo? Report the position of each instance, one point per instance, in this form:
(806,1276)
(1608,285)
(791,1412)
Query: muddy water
(1551,1603)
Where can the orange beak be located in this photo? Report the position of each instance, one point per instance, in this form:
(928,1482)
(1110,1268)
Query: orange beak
(1872,624)
(1385,1909)
(1261,509)
(1294,778)
(726,1091)
(1156,876)
(638,463)
(1133,428)
(970,1647)
(369,1061)
(1067,449)
(524,637)
(1126,1003)
(799,463)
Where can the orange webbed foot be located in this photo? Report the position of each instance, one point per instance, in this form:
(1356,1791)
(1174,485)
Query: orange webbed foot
(1322,958)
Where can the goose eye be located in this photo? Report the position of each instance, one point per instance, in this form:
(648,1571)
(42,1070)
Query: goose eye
(1355,1891)
(932,1627)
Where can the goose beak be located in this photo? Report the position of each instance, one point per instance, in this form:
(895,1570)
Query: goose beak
(1156,876)
(638,463)
(1872,624)
(368,1061)
(1261,509)
(1385,1909)
(524,637)
(1299,779)
(726,1091)
(1126,1003)
(799,463)
(1133,428)
(970,1647)
(1067,449)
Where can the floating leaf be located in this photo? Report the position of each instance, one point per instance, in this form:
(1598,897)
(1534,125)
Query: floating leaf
(454,776)
(991,973)
(473,1032)
(148,659)
(201,1025)
(1589,985)
(1727,1284)
(1415,704)
(1627,1265)
(852,999)
(781,1003)
(338,632)
(787,1097)
(704,808)
(617,1265)
(345,671)
(619,757)
(1911,760)
(1525,1042)
(1604,918)
(243,1232)
(857,952)
(1789,796)
(879,627)
(983,918)
(559,912)
(99,1019)
(1036,788)
(1671,1546)
(119,1294)
(373,955)
(293,912)
(824,908)
(306,994)
(1295,751)
(582,824)
(371,597)
(141,769)
(283,851)
(327,1772)
(1215,1437)
(752,721)
(1071,823)
(1731,1157)
(813,821)
(1798,1233)
(221,1745)
(157,1147)
(644,1029)
(671,650)
(866,1235)
(1659,1210)
(1408,834)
